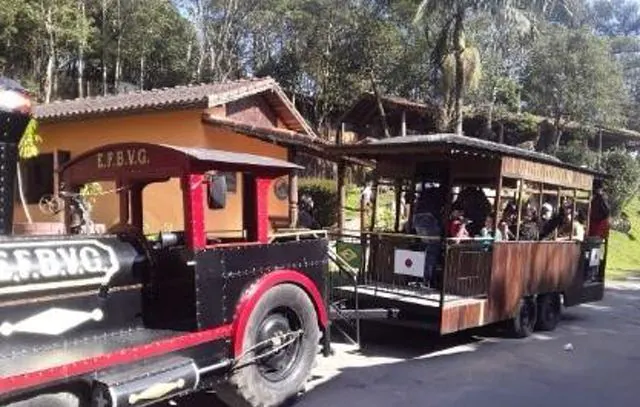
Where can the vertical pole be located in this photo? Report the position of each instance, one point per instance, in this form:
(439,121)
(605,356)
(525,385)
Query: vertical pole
(193,198)
(342,174)
(123,200)
(404,123)
(56,179)
(374,202)
(136,206)
(342,196)
(398,205)
(293,192)
(498,204)
(262,185)
(519,218)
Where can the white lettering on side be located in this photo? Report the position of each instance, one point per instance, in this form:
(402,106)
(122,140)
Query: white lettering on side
(90,259)
(70,260)
(6,273)
(23,260)
(48,263)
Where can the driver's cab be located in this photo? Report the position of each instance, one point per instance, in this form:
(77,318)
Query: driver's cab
(178,266)
(196,174)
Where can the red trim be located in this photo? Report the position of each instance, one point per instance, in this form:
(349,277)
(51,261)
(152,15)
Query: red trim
(193,196)
(250,298)
(262,186)
(106,360)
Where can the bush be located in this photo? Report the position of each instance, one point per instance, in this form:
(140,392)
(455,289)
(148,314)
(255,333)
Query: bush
(324,194)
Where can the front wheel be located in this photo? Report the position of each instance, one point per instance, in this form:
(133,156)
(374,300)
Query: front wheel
(279,350)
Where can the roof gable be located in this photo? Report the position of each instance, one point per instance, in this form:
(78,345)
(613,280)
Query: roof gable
(180,97)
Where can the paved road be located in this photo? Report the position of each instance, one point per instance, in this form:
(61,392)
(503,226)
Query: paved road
(402,367)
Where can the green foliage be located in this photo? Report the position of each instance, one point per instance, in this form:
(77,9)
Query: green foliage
(325,199)
(575,152)
(572,77)
(30,141)
(624,247)
(90,191)
(624,182)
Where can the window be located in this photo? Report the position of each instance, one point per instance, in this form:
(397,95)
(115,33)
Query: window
(38,175)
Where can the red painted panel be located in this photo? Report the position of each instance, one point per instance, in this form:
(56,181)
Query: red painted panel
(193,195)
(119,357)
(250,298)
(263,186)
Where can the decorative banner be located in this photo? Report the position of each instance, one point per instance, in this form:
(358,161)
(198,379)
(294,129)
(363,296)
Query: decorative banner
(350,253)
(409,263)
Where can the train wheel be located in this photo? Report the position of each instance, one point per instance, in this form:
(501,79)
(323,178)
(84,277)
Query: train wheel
(283,328)
(549,310)
(522,325)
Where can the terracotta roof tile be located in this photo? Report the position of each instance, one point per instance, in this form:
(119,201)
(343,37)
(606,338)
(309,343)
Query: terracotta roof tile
(166,98)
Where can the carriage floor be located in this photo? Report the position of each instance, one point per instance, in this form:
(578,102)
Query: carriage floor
(427,297)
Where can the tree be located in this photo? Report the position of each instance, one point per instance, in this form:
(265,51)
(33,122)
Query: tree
(451,42)
(571,77)
(624,178)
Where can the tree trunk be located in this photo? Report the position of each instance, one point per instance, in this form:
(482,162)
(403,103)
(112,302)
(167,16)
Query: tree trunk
(48,82)
(141,72)
(118,67)
(104,48)
(557,132)
(81,54)
(23,200)
(458,38)
(51,57)
(492,104)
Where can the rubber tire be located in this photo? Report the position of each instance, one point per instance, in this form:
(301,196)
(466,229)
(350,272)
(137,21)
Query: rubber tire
(246,386)
(549,311)
(520,328)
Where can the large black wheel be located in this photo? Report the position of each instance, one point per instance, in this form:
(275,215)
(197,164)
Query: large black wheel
(524,321)
(549,310)
(284,314)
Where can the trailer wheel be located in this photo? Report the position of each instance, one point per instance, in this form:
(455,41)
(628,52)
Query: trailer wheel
(523,324)
(549,309)
(274,379)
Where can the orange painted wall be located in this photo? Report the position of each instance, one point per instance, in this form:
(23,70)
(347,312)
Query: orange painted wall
(162,202)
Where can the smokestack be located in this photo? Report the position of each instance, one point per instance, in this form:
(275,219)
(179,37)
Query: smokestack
(15,113)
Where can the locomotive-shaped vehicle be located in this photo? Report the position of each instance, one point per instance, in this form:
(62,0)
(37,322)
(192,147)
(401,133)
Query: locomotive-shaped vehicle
(119,319)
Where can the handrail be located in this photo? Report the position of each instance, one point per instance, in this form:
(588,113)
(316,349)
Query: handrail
(318,233)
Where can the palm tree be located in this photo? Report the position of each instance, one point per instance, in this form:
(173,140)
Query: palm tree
(451,51)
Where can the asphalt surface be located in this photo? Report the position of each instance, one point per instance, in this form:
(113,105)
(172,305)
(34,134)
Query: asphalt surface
(591,359)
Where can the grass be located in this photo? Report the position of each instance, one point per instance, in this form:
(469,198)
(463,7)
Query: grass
(623,259)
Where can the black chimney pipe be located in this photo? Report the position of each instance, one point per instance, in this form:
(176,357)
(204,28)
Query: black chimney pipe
(15,113)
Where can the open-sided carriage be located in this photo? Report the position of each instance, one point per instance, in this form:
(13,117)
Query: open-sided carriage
(535,263)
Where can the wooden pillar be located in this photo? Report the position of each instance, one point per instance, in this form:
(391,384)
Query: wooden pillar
(342,175)
(374,202)
(136,204)
(342,195)
(293,191)
(398,205)
(123,199)
(519,206)
(498,203)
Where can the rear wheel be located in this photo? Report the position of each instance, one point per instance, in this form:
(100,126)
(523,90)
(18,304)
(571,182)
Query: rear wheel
(549,310)
(524,321)
(283,328)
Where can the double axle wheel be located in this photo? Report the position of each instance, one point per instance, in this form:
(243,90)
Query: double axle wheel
(541,313)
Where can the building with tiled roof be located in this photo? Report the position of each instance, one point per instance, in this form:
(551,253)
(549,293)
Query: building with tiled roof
(249,116)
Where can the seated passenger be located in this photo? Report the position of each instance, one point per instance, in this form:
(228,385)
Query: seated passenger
(487,231)
(457,227)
